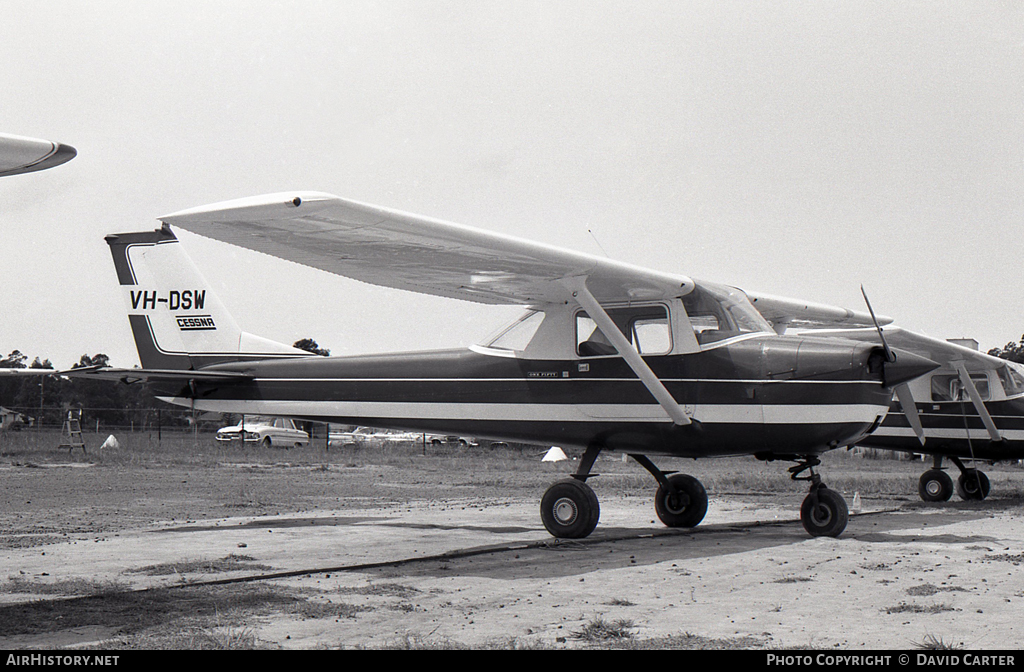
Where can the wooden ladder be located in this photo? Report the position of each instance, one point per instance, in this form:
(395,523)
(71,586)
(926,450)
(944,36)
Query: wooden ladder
(71,432)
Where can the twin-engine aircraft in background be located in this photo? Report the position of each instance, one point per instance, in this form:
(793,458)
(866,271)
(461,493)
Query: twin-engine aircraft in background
(970,408)
(607,356)
(26,155)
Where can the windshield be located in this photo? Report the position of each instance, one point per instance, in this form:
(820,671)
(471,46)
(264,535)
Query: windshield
(1012,379)
(718,312)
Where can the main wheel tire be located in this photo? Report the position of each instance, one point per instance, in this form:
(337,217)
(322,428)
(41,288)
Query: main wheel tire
(569,509)
(827,517)
(935,486)
(973,485)
(682,505)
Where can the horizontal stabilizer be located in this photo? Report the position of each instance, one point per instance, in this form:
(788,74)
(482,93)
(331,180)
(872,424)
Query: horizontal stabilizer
(137,375)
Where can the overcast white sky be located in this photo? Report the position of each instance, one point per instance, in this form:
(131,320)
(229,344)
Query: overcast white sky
(794,148)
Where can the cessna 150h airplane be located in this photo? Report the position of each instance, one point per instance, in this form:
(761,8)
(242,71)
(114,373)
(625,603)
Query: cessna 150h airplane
(970,407)
(607,356)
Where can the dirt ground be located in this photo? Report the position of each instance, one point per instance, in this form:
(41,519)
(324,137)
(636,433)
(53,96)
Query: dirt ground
(117,551)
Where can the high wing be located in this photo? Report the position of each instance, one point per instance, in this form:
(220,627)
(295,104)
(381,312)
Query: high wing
(26,155)
(785,313)
(943,352)
(404,251)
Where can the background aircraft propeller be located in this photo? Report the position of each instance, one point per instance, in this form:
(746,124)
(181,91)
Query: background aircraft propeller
(903,393)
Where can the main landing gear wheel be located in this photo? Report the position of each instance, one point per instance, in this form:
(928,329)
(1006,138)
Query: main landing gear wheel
(824,513)
(570,509)
(682,503)
(935,486)
(972,485)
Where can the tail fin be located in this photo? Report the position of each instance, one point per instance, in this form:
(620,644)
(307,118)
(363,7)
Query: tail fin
(176,319)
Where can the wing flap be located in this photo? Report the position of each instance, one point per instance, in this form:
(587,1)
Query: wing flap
(405,251)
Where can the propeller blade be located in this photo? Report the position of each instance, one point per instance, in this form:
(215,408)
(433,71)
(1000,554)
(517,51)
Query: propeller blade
(889,357)
(907,403)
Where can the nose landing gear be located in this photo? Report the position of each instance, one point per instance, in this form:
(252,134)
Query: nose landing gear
(824,512)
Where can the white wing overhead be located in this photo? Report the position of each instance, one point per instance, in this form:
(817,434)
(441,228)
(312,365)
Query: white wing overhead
(943,352)
(784,313)
(404,251)
(25,155)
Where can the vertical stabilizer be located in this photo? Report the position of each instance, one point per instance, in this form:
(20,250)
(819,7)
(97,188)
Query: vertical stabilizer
(177,320)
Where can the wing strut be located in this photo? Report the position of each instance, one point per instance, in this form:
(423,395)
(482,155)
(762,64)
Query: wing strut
(979,405)
(628,352)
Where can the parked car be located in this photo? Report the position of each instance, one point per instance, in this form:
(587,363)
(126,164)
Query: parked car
(264,432)
(371,436)
(451,440)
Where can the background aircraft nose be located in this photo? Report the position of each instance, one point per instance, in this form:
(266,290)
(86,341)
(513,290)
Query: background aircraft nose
(905,366)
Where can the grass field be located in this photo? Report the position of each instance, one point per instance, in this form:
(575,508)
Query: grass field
(51,492)
(875,474)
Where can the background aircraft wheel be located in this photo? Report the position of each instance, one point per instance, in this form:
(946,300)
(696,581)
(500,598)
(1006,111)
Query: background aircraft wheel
(686,506)
(935,486)
(828,518)
(972,485)
(570,509)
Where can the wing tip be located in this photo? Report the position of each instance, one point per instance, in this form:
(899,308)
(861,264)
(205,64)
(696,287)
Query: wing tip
(297,200)
(58,153)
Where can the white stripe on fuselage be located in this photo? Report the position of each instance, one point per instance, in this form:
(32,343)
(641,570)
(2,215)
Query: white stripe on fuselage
(979,434)
(808,414)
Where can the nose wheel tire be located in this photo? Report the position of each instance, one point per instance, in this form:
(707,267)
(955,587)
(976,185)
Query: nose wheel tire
(569,509)
(824,515)
(935,486)
(684,504)
(972,485)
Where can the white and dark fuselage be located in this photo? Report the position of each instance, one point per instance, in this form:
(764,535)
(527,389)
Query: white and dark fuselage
(762,395)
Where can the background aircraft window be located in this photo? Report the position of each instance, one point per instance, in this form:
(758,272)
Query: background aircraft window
(646,327)
(519,334)
(949,387)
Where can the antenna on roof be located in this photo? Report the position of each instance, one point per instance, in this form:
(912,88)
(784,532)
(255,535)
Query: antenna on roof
(598,243)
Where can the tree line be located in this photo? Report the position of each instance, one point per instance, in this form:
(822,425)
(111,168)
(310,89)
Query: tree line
(1013,352)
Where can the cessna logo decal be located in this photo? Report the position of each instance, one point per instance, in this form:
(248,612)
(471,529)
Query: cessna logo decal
(175,299)
(196,323)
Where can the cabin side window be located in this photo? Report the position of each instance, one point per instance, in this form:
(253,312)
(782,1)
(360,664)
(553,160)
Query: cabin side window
(645,327)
